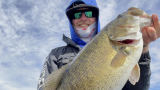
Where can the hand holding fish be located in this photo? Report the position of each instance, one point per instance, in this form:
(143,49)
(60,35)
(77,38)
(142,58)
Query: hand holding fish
(151,33)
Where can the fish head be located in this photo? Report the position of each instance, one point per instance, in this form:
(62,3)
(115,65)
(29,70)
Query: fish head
(125,30)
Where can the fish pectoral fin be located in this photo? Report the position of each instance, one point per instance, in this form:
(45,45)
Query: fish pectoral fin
(118,60)
(135,75)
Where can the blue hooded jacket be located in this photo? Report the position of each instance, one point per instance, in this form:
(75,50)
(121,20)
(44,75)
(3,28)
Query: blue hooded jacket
(74,36)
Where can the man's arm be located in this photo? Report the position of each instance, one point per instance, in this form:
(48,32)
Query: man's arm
(48,67)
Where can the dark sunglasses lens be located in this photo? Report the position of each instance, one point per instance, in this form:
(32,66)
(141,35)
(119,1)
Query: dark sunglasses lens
(77,15)
(89,14)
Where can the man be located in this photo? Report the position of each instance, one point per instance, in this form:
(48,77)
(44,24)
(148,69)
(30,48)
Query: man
(83,16)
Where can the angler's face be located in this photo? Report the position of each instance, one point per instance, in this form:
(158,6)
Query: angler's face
(83,19)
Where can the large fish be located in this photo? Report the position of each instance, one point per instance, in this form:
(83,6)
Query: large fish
(109,60)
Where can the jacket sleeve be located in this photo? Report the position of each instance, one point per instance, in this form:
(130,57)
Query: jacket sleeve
(48,67)
(145,74)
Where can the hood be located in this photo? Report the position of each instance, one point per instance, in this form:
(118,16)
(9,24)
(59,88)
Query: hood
(72,6)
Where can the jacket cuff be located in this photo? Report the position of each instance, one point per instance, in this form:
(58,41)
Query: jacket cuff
(145,57)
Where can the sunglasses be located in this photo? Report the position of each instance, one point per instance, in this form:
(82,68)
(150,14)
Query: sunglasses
(78,15)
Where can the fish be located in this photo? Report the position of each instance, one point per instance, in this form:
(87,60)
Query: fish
(109,60)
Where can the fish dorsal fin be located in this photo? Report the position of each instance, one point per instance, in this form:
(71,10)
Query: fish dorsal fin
(135,75)
(118,60)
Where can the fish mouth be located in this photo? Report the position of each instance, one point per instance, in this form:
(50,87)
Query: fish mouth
(128,41)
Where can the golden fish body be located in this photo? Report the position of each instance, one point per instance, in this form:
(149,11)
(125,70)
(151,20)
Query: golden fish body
(109,60)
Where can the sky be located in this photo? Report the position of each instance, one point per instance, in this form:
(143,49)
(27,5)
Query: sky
(30,29)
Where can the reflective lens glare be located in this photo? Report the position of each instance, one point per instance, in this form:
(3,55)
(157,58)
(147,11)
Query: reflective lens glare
(88,14)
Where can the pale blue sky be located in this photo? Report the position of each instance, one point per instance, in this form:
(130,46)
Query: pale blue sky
(29,29)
